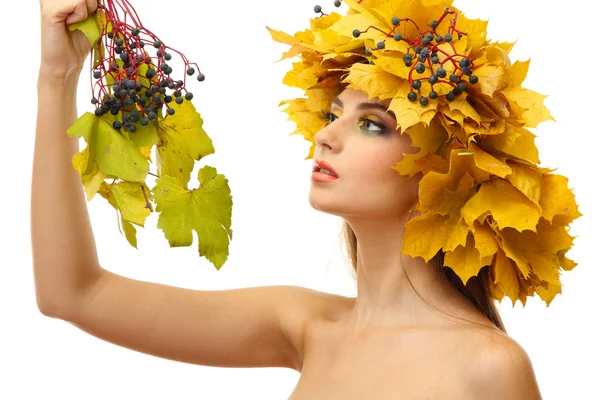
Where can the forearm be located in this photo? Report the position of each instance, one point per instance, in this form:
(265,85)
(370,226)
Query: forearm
(65,259)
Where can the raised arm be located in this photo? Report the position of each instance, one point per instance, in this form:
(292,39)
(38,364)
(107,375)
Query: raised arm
(248,327)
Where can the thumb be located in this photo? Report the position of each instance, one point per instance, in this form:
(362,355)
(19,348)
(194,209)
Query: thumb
(80,13)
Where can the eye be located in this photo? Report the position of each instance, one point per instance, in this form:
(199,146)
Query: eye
(327,116)
(367,123)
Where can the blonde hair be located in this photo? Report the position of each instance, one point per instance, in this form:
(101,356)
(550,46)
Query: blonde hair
(476,289)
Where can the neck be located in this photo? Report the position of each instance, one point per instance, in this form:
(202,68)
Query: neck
(386,298)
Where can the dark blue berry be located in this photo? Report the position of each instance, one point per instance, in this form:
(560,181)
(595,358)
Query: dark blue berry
(420,68)
(201,77)
(380,45)
(97,74)
(151,115)
(167,56)
(189,96)
(178,100)
(433,79)
(171,111)
(117,125)
(317,9)
(356,33)
(132,128)
(450,96)
(473,79)
(412,96)
(441,72)
(465,62)
(435,59)
(423,101)
(439,39)
(119,42)
(416,85)
(448,37)
(462,86)
(467,71)
(433,95)
(144,121)
(434,24)
(191,71)
(157,44)
(94,100)
(454,78)
(337,3)
(397,37)
(395,21)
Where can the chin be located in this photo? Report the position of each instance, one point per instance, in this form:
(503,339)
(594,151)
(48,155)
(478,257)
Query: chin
(330,203)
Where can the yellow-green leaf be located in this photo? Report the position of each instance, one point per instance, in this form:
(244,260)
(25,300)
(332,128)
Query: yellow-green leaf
(182,142)
(91,27)
(206,210)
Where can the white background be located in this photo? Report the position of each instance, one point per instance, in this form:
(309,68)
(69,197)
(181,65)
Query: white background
(278,238)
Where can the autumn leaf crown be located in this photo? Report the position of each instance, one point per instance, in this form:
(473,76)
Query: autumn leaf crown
(484,199)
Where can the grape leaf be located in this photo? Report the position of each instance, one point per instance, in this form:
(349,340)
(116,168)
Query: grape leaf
(91,181)
(129,201)
(91,26)
(206,210)
(182,141)
(115,155)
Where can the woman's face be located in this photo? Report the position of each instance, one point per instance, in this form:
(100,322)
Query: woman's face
(361,143)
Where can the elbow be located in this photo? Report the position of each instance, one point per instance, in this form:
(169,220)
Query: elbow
(47,310)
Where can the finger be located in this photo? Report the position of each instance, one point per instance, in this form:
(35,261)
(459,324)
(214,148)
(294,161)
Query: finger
(80,13)
(92,5)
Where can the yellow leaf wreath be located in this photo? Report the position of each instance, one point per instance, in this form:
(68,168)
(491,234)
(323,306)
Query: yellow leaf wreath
(483,198)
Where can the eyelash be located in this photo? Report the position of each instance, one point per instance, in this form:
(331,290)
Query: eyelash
(326,116)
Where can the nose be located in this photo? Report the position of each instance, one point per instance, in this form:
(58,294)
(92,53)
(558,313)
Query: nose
(328,138)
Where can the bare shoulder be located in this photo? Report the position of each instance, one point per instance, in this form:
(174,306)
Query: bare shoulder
(501,369)
(301,307)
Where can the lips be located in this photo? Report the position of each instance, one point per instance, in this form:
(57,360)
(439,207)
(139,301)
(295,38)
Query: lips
(324,167)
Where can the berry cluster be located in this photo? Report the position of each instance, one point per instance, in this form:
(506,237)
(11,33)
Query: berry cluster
(426,59)
(129,80)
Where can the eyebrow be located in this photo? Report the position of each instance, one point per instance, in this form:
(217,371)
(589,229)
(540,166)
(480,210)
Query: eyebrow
(367,106)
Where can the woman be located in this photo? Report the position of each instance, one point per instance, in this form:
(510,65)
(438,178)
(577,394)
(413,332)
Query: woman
(409,333)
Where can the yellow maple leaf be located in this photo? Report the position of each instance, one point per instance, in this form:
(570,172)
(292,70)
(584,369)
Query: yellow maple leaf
(527,180)
(373,80)
(426,234)
(489,163)
(517,72)
(557,200)
(532,102)
(465,261)
(505,277)
(508,206)
(515,141)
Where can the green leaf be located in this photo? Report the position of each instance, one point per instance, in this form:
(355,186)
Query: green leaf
(206,210)
(129,201)
(130,232)
(115,155)
(182,142)
(91,27)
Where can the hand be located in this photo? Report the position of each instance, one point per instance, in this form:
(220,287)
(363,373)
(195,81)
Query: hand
(63,51)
